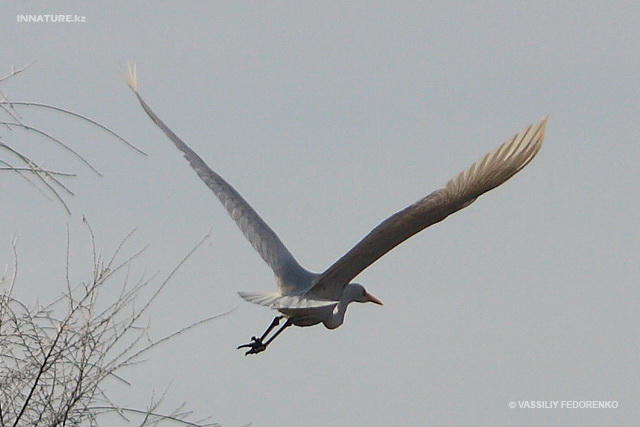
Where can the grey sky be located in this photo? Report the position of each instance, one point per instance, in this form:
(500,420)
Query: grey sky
(327,118)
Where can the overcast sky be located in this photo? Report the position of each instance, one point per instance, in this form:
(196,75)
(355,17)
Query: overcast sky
(328,117)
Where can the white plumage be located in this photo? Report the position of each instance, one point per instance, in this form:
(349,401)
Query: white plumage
(307,298)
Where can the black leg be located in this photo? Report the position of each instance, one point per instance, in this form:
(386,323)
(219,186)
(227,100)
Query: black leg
(258,344)
(274,323)
(279,331)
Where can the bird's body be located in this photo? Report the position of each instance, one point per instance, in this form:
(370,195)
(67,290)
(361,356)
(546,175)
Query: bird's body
(308,309)
(307,298)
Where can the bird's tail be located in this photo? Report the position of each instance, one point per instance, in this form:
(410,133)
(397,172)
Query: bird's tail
(276,301)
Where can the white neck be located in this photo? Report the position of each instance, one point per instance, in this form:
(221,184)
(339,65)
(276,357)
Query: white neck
(336,318)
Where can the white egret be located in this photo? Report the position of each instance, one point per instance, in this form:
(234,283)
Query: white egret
(305,298)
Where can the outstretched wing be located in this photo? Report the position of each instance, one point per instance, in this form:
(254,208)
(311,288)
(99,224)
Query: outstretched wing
(261,236)
(486,174)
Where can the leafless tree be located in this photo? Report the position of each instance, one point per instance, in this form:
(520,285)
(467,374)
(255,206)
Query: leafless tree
(55,358)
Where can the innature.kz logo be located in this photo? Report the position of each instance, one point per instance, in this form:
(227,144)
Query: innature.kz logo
(51,18)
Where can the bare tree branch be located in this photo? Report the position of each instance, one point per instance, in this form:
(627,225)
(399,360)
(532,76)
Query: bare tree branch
(80,116)
(43,178)
(46,135)
(55,358)
(15,72)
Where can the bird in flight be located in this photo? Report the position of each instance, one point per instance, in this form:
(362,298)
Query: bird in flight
(305,298)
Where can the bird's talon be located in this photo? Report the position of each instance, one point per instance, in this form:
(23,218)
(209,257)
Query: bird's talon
(255,350)
(255,346)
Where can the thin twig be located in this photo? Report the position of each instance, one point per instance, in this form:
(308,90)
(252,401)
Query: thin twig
(154,414)
(80,116)
(16,72)
(35,170)
(29,163)
(54,139)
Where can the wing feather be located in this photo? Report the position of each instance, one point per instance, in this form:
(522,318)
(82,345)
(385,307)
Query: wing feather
(484,175)
(260,235)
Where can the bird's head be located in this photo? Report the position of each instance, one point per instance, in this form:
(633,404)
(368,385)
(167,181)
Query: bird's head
(358,293)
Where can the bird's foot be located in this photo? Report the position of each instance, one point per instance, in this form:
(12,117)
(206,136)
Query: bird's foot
(255,346)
